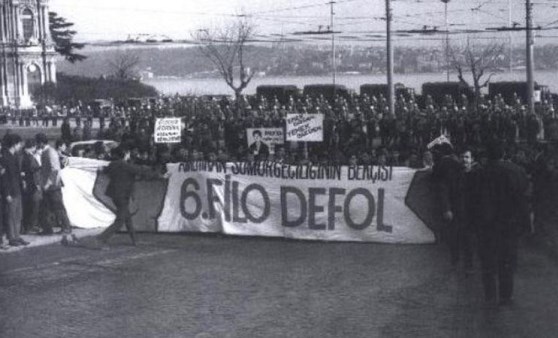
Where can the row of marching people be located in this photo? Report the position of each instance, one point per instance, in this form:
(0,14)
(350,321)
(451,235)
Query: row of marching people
(31,189)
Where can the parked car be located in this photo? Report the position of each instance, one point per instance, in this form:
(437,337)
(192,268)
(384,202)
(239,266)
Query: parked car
(75,147)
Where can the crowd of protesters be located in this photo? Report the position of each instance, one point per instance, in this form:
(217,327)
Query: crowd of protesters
(356,130)
(31,189)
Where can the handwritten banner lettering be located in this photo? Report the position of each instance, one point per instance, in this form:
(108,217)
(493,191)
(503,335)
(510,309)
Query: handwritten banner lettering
(168,130)
(344,203)
(305,127)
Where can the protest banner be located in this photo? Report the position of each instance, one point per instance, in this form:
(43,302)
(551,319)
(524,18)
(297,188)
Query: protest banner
(84,209)
(305,127)
(334,203)
(88,206)
(168,130)
(342,203)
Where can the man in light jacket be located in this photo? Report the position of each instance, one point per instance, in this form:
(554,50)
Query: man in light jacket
(51,184)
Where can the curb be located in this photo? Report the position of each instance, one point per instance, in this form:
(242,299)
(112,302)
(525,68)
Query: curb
(38,240)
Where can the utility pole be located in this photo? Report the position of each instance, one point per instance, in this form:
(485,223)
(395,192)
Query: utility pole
(529,51)
(447,39)
(510,35)
(389,61)
(333,61)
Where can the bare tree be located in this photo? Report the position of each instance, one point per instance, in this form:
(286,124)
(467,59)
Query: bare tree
(124,64)
(225,47)
(478,60)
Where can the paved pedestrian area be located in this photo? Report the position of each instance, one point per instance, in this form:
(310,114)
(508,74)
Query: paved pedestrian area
(36,240)
(209,286)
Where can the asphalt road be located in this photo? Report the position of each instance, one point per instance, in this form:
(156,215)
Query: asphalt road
(209,286)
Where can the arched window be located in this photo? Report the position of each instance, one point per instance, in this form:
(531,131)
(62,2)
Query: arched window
(27,23)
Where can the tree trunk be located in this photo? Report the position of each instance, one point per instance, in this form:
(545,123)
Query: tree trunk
(477,96)
(239,107)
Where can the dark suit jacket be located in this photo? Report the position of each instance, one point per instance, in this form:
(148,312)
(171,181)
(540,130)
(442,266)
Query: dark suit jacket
(11,180)
(446,174)
(259,154)
(32,170)
(122,177)
(504,198)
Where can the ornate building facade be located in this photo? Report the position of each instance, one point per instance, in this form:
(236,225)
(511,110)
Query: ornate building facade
(27,56)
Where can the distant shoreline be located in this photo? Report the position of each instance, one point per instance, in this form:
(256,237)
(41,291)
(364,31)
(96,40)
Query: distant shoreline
(217,86)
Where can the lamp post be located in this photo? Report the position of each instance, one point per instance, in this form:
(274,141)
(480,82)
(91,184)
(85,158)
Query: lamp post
(447,39)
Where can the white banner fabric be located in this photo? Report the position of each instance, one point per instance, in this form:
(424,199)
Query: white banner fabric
(84,210)
(278,200)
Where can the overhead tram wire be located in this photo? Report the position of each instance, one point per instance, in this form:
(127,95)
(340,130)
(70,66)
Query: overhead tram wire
(345,21)
(148,10)
(290,37)
(292,8)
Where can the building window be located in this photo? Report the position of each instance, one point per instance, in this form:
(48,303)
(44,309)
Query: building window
(27,23)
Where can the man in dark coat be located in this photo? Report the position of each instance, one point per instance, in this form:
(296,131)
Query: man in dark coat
(3,246)
(66,130)
(12,188)
(31,172)
(446,172)
(504,216)
(122,176)
(468,210)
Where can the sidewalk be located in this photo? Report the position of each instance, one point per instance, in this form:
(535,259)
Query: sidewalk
(38,240)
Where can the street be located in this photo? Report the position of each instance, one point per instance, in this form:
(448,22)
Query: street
(210,286)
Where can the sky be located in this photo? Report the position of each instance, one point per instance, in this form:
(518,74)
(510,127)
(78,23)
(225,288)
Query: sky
(355,20)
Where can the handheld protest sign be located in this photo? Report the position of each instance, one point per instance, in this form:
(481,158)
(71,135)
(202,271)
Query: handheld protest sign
(268,136)
(305,127)
(168,130)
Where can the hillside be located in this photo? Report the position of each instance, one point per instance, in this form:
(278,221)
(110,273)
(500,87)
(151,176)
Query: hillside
(180,61)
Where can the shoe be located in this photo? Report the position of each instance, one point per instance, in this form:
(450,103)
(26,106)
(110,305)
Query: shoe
(454,261)
(99,244)
(4,246)
(64,232)
(22,241)
(14,242)
(505,302)
(64,241)
(75,239)
(469,270)
(101,240)
(35,230)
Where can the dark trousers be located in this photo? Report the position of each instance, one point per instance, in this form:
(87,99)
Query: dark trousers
(52,201)
(13,217)
(498,255)
(460,242)
(2,220)
(123,217)
(31,207)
